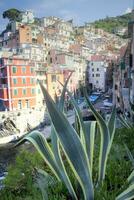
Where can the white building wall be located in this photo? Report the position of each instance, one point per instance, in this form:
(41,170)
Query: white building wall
(97,75)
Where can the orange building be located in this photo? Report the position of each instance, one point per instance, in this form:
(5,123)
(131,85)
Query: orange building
(25,34)
(17,83)
(22,35)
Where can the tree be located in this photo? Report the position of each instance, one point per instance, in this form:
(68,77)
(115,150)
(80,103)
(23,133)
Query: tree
(11,14)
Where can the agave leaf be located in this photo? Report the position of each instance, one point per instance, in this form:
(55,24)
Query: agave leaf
(71,146)
(56,99)
(56,147)
(124,122)
(131,158)
(79,117)
(43,181)
(112,126)
(90,130)
(64,177)
(128,194)
(131,178)
(111,122)
(105,139)
(62,98)
(40,143)
(77,124)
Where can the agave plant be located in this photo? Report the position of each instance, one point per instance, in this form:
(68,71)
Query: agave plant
(76,144)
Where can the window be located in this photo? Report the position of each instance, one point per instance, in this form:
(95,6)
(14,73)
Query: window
(32,91)
(92,64)
(118,99)
(32,80)
(92,69)
(97,75)
(116,87)
(23,70)
(15,92)
(14,81)
(27,103)
(53,78)
(51,60)
(19,104)
(92,75)
(24,80)
(32,70)
(14,70)
(97,82)
(97,69)
(24,91)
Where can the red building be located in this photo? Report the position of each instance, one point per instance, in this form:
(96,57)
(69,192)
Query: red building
(17,83)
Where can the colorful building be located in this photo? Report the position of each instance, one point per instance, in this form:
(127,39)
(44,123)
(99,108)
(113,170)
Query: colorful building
(17,83)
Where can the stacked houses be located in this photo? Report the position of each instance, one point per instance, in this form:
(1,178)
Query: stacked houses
(49,49)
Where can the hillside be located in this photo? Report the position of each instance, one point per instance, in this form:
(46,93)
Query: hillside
(112,24)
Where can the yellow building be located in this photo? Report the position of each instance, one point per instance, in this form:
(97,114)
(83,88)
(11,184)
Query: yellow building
(53,86)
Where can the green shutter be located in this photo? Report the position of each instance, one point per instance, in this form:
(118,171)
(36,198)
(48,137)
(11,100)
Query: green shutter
(14,70)
(32,70)
(15,92)
(23,70)
(14,81)
(33,91)
(24,91)
(122,64)
(24,80)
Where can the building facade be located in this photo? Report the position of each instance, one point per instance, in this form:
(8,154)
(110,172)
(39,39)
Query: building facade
(17,84)
(97,73)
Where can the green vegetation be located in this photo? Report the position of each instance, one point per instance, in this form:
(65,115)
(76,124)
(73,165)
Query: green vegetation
(18,186)
(110,24)
(11,14)
(21,183)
